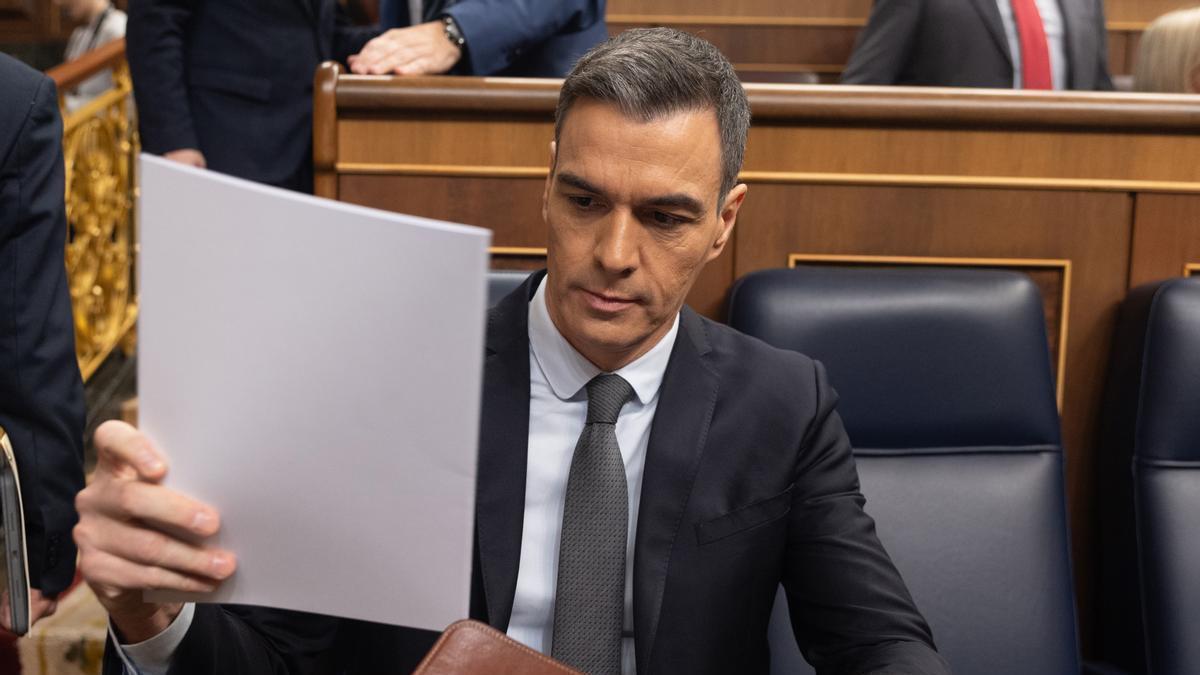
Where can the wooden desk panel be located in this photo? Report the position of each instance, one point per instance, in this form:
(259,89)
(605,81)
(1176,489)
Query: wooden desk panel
(1166,238)
(1085,192)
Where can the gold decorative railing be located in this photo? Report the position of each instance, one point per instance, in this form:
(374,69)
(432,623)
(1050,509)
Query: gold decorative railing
(100,148)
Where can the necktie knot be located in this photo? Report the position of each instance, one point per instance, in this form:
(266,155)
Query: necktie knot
(607,394)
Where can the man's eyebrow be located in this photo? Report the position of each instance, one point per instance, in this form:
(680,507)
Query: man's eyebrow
(578,182)
(678,201)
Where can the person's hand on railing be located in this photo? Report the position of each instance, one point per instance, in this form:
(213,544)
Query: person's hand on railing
(188,156)
(40,607)
(418,50)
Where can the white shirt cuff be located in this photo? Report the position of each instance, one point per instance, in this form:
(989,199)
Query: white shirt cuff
(153,656)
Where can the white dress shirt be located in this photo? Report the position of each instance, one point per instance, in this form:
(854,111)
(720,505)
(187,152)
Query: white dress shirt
(557,412)
(106,27)
(1056,40)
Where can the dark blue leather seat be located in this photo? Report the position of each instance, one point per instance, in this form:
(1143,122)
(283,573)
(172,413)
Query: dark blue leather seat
(1167,476)
(503,282)
(946,392)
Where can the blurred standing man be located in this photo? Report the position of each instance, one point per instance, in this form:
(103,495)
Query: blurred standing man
(515,38)
(227,84)
(102,23)
(1008,44)
(41,394)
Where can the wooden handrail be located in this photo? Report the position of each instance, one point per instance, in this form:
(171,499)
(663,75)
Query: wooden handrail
(75,71)
(813,104)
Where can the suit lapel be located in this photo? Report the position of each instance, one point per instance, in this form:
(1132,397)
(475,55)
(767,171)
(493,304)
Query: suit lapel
(503,452)
(1077,31)
(677,439)
(990,12)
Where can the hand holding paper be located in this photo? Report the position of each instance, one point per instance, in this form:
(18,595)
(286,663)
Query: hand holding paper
(134,534)
(306,382)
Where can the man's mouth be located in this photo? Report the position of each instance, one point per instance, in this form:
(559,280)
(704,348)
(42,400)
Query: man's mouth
(607,302)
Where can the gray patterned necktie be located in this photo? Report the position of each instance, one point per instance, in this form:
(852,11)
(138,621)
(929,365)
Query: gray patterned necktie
(589,604)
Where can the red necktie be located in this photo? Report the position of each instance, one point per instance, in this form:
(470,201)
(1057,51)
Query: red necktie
(1035,53)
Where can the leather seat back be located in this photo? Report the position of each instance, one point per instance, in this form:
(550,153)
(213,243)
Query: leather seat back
(946,392)
(1167,478)
(503,282)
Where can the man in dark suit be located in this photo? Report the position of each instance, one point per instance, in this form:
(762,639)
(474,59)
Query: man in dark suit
(647,477)
(1022,44)
(41,394)
(227,84)
(510,38)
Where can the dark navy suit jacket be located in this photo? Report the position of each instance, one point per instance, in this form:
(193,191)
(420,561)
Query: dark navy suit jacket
(962,43)
(749,482)
(41,394)
(234,79)
(514,38)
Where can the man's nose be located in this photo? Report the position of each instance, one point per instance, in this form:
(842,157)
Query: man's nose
(617,243)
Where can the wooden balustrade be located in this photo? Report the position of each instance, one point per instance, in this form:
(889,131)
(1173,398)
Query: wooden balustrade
(100,147)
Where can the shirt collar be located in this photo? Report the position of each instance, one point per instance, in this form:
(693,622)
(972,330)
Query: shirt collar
(568,371)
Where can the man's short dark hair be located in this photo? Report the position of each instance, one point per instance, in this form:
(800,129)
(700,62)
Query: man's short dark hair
(650,73)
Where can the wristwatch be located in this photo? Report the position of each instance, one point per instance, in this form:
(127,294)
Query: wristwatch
(453,34)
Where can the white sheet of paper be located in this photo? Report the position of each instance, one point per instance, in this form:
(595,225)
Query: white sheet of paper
(313,370)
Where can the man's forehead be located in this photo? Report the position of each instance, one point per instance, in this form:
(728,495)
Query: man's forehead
(586,113)
(678,149)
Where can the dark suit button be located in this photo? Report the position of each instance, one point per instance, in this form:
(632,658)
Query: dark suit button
(52,551)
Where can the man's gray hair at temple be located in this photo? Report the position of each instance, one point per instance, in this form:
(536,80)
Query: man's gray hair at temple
(650,73)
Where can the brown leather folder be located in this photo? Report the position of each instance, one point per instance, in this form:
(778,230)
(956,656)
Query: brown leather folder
(473,648)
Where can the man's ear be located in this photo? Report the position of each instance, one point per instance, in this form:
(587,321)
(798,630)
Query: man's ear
(549,180)
(729,211)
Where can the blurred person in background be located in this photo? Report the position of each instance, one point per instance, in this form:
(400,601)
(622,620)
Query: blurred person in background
(514,38)
(41,392)
(228,84)
(100,23)
(1169,54)
(1006,44)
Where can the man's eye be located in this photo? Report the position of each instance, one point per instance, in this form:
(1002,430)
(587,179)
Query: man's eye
(582,201)
(666,219)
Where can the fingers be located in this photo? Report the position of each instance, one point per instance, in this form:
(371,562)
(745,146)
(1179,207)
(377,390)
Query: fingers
(112,577)
(150,504)
(416,67)
(188,156)
(385,58)
(148,548)
(119,445)
(409,51)
(41,610)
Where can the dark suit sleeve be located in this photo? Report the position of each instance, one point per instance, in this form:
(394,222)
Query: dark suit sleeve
(849,607)
(41,394)
(239,639)
(498,32)
(349,39)
(882,48)
(1103,77)
(156,45)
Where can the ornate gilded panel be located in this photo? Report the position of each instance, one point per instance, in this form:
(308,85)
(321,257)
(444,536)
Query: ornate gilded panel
(100,147)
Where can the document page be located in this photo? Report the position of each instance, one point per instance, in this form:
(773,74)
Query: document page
(313,369)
